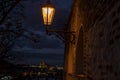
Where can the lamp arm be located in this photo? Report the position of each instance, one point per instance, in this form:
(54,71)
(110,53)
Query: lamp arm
(51,30)
(72,33)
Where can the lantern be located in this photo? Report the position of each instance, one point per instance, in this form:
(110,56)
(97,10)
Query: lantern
(48,12)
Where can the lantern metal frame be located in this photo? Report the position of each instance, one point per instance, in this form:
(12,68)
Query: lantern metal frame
(48,6)
(61,34)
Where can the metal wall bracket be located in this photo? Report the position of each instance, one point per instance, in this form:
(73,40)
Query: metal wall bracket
(62,34)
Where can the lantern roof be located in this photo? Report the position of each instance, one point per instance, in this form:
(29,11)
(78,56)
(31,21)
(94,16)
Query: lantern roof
(48,4)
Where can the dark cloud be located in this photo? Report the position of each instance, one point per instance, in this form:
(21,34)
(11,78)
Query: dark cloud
(44,42)
(43,51)
(52,59)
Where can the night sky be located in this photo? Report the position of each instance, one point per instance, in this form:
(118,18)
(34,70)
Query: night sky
(49,48)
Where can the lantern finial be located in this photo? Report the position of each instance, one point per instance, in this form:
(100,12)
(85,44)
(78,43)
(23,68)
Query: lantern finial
(48,1)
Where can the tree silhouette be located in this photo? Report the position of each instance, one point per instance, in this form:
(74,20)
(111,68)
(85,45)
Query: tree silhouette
(12,26)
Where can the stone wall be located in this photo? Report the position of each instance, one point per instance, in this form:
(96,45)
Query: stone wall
(102,46)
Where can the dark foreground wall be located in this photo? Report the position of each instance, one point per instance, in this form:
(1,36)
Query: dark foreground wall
(103,46)
(96,52)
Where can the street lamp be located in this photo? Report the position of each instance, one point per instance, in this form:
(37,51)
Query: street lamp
(48,11)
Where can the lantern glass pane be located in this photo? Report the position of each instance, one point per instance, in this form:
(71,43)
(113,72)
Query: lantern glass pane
(48,14)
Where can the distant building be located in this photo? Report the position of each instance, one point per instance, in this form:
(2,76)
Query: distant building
(59,68)
(43,65)
(95,55)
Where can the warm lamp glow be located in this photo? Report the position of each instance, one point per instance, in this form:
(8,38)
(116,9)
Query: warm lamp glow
(48,14)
